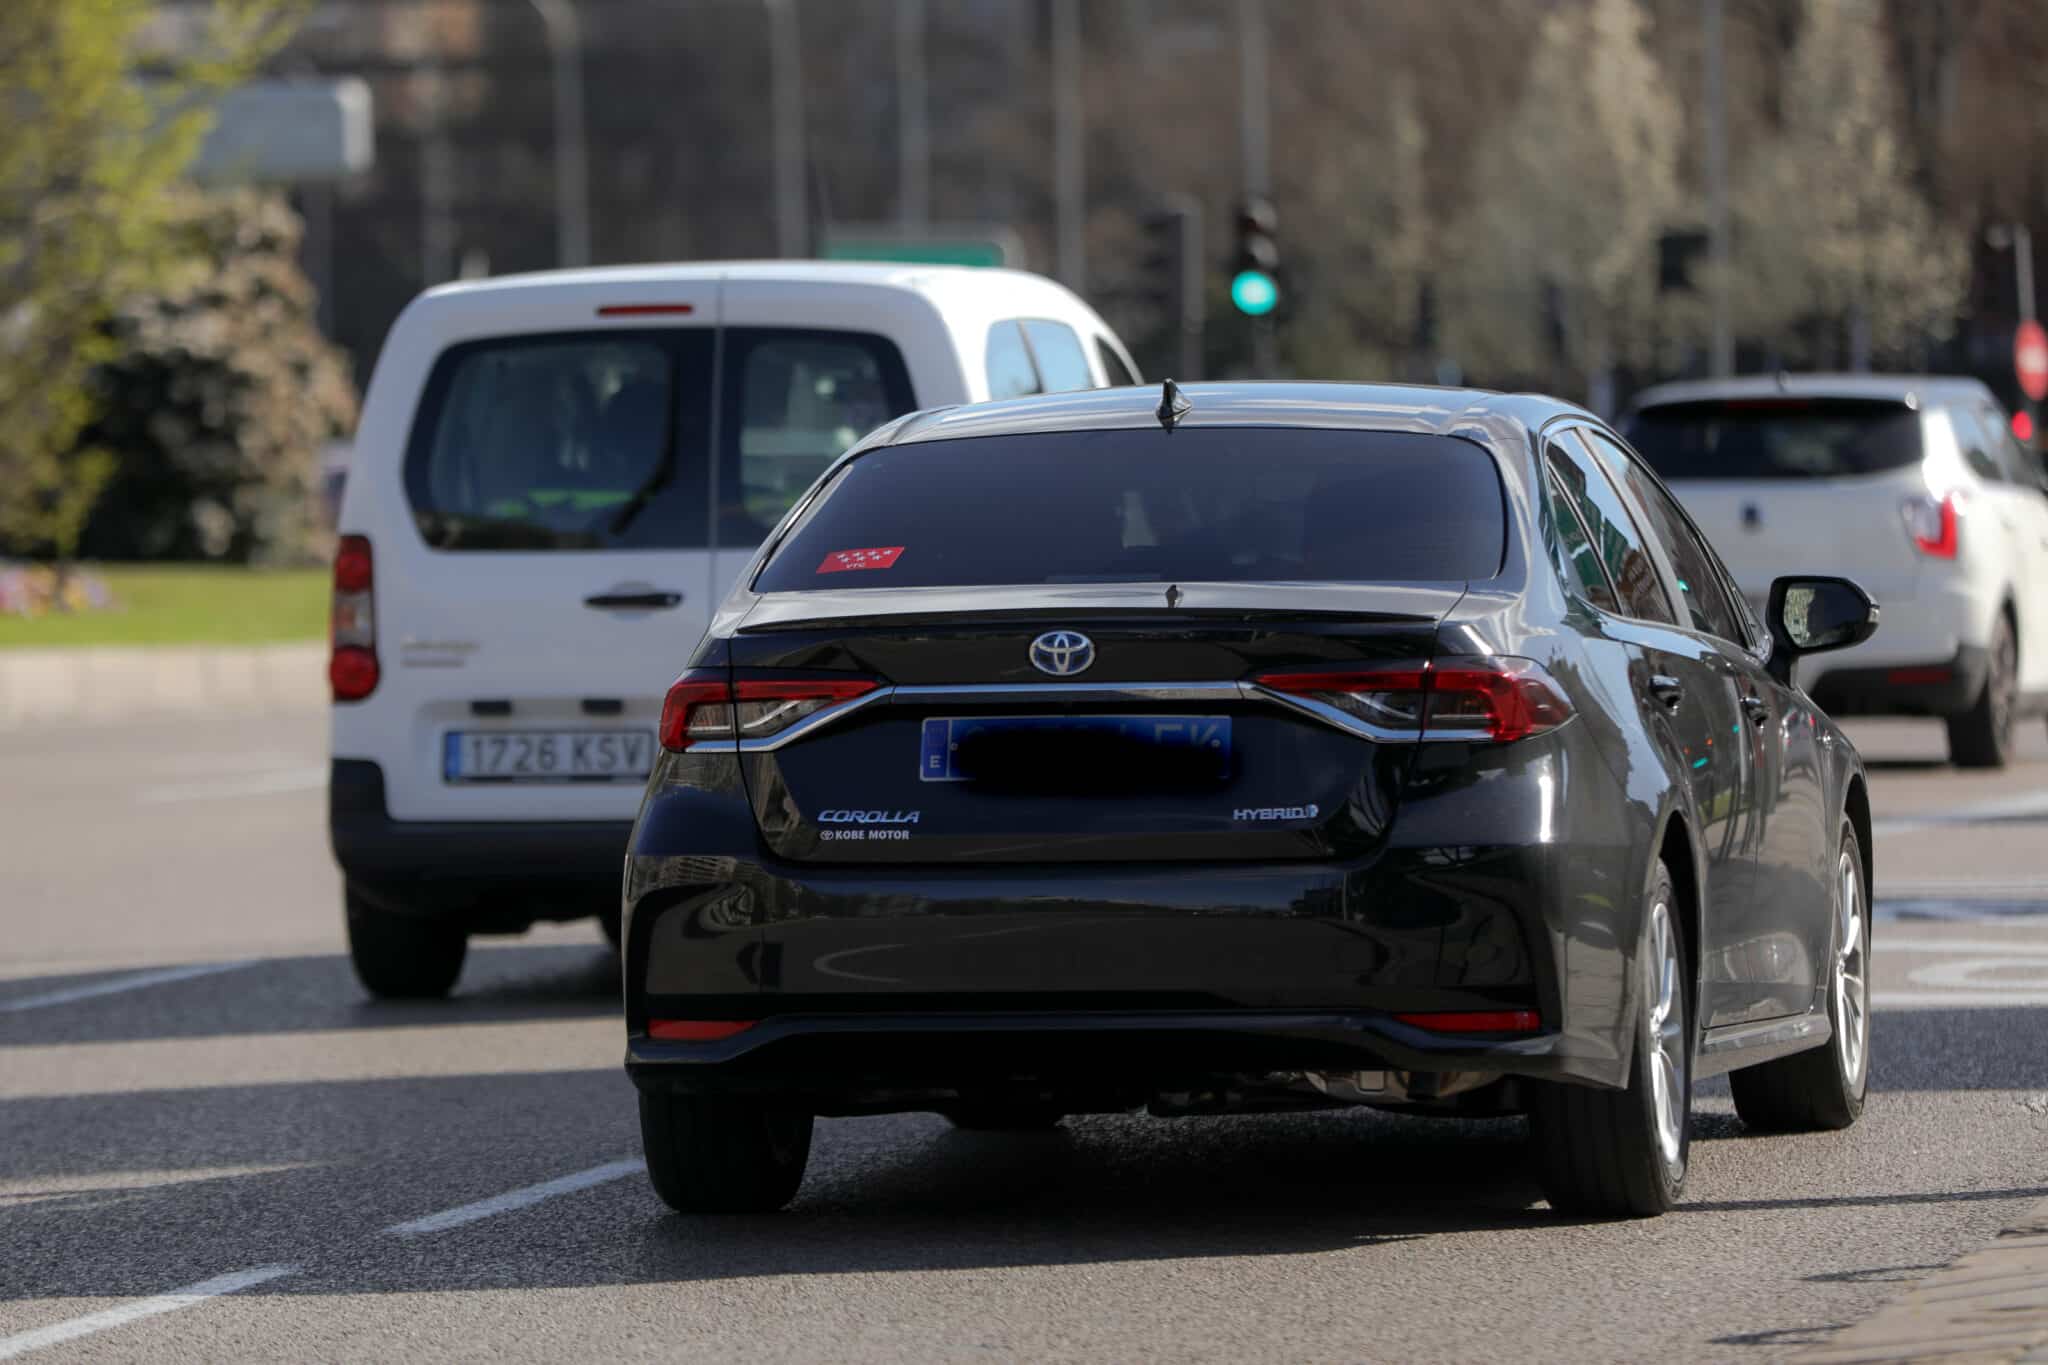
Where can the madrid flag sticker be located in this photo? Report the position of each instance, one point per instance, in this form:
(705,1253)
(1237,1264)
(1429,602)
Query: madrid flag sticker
(845,561)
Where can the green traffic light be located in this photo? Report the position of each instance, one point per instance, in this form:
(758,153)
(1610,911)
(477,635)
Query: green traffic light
(1254,293)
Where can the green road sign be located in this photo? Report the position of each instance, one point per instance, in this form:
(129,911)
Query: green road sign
(982,246)
(1254,293)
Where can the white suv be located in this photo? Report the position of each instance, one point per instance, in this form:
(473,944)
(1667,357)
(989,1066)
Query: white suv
(555,479)
(1913,486)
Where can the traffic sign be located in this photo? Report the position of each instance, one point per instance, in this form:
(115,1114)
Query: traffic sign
(982,244)
(2030,359)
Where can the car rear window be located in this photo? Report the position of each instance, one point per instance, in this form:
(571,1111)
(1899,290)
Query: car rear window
(602,440)
(1776,438)
(1216,505)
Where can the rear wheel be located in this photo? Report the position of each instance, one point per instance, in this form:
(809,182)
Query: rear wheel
(723,1154)
(1824,1087)
(1981,737)
(611,921)
(402,956)
(1001,1116)
(1623,1153)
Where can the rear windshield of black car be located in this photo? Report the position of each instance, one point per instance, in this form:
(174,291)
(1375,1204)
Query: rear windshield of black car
(1773,438)
(1203,505)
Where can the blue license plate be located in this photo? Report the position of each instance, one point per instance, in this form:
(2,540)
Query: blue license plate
(952,743)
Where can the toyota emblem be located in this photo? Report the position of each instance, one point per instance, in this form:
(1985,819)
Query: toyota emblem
(1062,653)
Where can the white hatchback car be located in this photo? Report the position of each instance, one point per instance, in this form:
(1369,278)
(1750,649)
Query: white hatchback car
(1913,486)
(555,480)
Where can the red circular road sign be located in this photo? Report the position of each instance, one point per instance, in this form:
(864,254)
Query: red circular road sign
(2030,360)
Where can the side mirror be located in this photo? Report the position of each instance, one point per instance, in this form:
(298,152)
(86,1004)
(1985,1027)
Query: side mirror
(1814,615)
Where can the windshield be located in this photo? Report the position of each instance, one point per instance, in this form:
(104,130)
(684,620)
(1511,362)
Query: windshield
(1777,438)
(1215,505)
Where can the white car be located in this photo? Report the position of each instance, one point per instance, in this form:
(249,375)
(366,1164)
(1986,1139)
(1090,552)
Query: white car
(555,479)
(1913,486)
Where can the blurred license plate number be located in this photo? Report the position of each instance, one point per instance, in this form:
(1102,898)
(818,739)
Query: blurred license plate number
(547,755)
(939,756)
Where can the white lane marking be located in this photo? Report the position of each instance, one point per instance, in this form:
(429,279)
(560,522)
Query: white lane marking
(230,788)
(1896,909)
(21,1343)
(516,1199)
(1986,974)
(2026,806)
(1957,1000)
(134,982)
(2018,947)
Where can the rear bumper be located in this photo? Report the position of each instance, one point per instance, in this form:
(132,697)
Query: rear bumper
(1937,687)
(500,876)
(1090,1059)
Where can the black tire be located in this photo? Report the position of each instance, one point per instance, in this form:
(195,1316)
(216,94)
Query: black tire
(612,921)
(401,956)
(719,1154)
(999,1116)
(1823,1088)
(1981,737)
(1600,1152)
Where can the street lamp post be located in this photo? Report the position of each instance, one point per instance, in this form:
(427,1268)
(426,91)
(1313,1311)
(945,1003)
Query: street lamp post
(572,167)
(786,80)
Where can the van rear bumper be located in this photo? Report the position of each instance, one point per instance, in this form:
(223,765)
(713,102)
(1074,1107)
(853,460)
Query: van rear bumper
(499,876)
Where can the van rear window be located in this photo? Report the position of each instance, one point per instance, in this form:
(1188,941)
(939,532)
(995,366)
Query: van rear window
(1776,438)
(602,440)
(1237,504)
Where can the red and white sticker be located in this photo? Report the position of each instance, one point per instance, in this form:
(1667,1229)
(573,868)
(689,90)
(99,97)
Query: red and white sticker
(845,561)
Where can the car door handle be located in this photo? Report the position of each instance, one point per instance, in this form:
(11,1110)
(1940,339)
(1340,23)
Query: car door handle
(1758,709)
(633,601)
(1668,691)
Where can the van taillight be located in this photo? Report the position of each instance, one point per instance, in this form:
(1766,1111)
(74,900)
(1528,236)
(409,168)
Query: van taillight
(704,704)
(352,622)
(1492,699)
(1935,524)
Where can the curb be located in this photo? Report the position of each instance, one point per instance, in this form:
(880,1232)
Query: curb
(56,686)
(1990,1306)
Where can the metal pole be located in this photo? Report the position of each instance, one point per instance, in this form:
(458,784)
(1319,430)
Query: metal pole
(1723,339)
(1254,116)
(2023,267)
(572,165)
(786,78)
(1253,113)
(1069,175)
(913,130)
(437,173)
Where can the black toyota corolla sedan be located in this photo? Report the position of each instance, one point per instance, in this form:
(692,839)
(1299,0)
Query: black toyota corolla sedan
(1243,748)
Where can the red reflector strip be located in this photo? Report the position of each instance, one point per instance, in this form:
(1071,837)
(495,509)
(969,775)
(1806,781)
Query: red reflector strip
(1475,1021)
(646,310)
(1919,675)
(697,1030)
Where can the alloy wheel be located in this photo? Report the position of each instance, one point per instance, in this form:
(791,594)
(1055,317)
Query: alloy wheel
(1852,976)
(1664,990)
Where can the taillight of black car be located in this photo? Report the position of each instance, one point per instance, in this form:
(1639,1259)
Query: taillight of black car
(707,704)
(1461,697)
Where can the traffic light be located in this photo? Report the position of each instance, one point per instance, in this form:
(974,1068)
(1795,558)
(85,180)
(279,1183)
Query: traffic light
(1255,266)
(1172,274)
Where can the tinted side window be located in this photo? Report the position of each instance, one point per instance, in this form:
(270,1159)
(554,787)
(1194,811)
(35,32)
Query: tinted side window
(1976,451)
(2016,460)
(1577,561)
(1010,374)
(1614,533)
(1113,364)
(1699,582)
(1062,364)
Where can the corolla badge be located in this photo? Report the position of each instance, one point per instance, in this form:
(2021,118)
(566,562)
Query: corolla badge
(1062,653)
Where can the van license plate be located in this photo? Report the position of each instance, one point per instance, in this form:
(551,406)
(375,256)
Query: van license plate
(547,755)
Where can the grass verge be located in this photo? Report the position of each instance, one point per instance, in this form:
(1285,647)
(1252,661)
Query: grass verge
(196,604)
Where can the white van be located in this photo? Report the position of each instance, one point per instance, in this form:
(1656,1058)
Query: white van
(555,480)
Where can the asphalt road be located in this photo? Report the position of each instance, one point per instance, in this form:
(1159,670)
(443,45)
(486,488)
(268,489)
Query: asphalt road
(213,1146)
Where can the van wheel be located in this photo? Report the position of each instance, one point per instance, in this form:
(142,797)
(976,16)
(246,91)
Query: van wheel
(400,956)
(1623,1153)
(612,922)
(723,1154)
(1981,737)
(1824,1087)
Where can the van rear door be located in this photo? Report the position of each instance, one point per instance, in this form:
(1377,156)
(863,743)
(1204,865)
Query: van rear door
(567,492)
